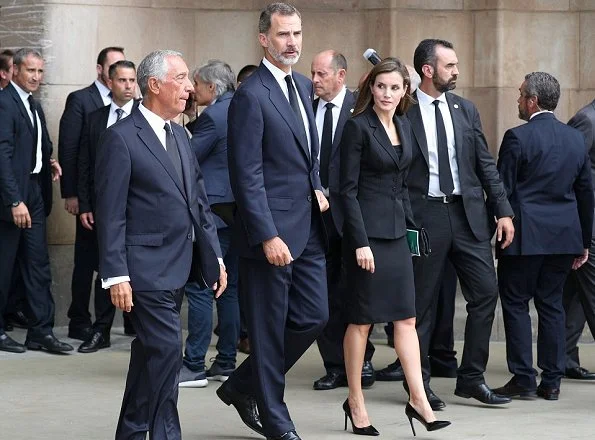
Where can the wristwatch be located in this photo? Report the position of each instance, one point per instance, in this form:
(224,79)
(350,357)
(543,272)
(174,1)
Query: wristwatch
(15,204)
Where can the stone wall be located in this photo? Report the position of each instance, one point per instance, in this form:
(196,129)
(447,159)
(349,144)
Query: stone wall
(497,43)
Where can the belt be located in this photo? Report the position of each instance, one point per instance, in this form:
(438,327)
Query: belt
(453,198)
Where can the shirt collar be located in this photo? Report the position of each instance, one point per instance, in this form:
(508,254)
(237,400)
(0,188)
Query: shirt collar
(126,107)
(23,94)
(425,99)
(277,73)
(155,121)
(538,113)
(337,100)
(103,90)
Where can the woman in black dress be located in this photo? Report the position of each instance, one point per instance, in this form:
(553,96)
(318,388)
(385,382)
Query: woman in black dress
(375,156)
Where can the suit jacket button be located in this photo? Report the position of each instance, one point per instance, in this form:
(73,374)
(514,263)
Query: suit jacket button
(423,196)
(309,198)
(189,236)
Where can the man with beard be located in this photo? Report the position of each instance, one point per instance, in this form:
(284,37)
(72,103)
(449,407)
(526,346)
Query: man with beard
(547,174)
(273,169)
(450,169)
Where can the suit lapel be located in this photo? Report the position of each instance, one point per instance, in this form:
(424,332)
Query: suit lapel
(344,115)
(96,96)
(455,114)
(184,150)
(381,136)
(404,136)
(150,139)
(17,98)
(417,127)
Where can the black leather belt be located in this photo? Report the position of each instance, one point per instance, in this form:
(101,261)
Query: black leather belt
(453,198)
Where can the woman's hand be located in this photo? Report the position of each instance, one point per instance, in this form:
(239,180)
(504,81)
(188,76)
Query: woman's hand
(365,258)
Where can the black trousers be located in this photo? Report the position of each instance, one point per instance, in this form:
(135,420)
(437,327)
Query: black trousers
(28,249)
(151,395)
(452,240)
(579,305)
(330,341)
(286,309)
(541,278)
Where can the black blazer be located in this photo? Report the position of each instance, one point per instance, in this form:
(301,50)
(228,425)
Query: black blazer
(547,174)
(584,120)
(16,142)
(95,125)
(146,215)
(477,168)
(374,180)
(335,160)
(78,105)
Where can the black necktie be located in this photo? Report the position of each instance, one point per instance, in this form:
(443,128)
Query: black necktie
(293,102)
(33,107)
(172,150)
(444,172)
(119,113)
(326,143)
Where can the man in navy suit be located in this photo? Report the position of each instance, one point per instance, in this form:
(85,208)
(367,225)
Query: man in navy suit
(78,106)
(214,84)
(273,167)
(122,83)
(546,172)
(26,174)
(332,109)
(155,229)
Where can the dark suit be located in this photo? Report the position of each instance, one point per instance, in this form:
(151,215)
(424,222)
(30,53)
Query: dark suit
(330,341)
(146,219)
(79,104)
(273,177)
(579,292)
(458,232)
(27,247)
(95,125)
(546,172)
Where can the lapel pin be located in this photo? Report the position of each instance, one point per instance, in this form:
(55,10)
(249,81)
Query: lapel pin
(351,111)
(456,106)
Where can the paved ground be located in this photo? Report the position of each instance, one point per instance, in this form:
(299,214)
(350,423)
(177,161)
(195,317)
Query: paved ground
(77,397)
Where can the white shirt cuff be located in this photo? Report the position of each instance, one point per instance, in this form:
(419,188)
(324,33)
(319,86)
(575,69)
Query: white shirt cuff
(109,282)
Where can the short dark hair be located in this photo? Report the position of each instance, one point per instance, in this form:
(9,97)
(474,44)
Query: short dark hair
(125,64)
(103,54)
(425,53)
(387,65)
(545,88)
(246,71)
(5,56)
(338,61)
(21,54)
(264,23)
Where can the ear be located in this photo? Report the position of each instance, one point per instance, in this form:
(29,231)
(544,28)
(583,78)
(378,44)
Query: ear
(153,85)
(109,83)
(427,70)
(99,69)
(342,74)
(262,39)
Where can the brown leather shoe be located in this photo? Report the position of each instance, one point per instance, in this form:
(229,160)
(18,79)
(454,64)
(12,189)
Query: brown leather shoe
(244,345)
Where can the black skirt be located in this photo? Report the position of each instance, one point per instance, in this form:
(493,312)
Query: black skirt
(386,295)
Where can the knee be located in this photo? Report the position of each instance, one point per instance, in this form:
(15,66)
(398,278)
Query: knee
(360,331)
(405,324)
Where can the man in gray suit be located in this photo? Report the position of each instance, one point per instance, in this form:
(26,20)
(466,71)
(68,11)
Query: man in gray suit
(579,292)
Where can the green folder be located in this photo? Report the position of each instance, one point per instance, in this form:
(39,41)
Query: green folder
(413,242)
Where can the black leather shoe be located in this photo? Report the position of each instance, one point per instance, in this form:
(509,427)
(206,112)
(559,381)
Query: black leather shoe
(481,392)
(17,319)
(392,373)
(83,334)
(579,373)
(49,343)
(548,393)
(332,380)
(291,435)
(97,342)
(513,389)
(9,344)
(436,403)
(368,375)
(8,327)
(244,404)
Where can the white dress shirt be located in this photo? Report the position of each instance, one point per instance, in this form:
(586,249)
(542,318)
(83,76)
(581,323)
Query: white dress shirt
(113,116)
(321,111)
(104,92)
(280,78)
(539,112)
(428,116)
(25,98)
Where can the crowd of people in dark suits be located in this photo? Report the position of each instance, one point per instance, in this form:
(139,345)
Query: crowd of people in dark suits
(293,204)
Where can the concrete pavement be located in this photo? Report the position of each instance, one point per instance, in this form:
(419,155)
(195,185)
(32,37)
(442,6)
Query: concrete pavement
(78,397)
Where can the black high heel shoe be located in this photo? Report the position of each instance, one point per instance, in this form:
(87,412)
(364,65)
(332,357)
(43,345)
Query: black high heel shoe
(411,413)
(366,430)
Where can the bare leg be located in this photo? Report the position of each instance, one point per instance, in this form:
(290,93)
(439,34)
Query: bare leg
(354,346)
(407,348)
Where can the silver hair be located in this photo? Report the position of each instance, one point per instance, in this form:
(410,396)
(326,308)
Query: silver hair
(218,73)
(545,87)
(264,23)
(21,54)
(153,65)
